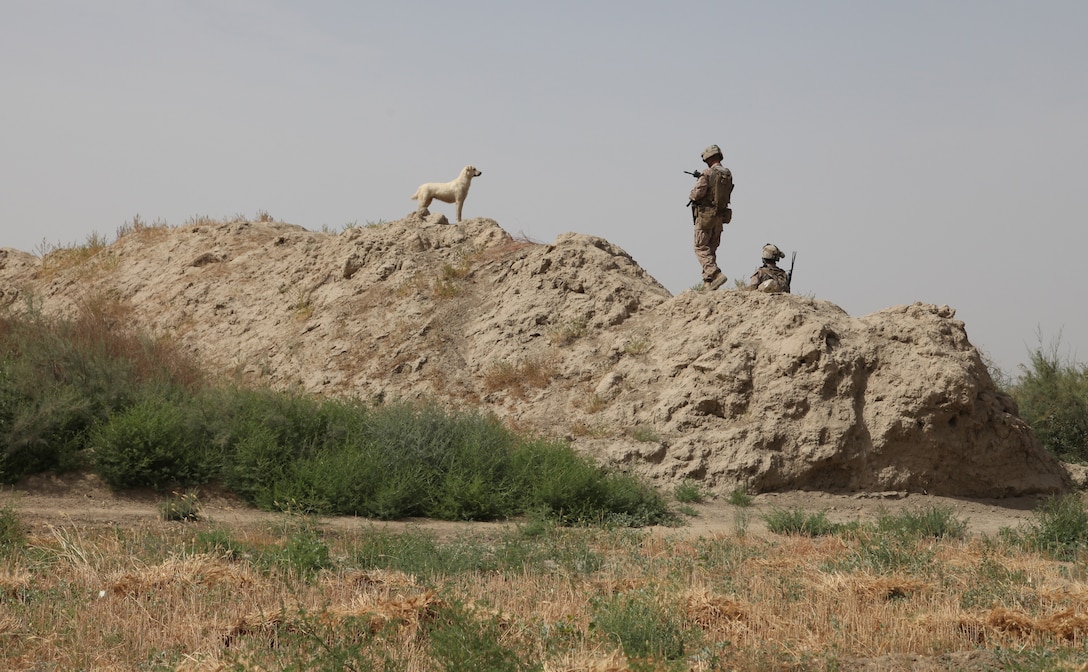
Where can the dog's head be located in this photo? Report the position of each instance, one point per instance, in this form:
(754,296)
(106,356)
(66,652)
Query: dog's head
(471,171)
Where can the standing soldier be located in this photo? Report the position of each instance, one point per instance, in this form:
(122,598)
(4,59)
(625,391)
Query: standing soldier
(769,277)
(709,200)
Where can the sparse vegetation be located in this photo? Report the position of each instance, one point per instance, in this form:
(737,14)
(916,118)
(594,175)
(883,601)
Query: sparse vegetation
(636,346)
(797,521)
(302,304)
(740,497)
(185,507)
(571,585)
(689,492)
(568,331)
(299,595)
(1060,528)
(12,532)
(532,372)
(594,403)
(644,434)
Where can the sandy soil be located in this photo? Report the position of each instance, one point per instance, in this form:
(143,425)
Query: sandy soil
(83,500)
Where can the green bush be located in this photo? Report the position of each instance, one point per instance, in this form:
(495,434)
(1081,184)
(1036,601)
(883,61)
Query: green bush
(156,443)
(59,377)
(688,492)
(129,407)
(1059,528)
(1052,394)
(796,521)
(572,489)
(740,497)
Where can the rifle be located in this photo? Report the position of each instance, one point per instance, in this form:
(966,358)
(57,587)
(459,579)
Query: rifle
(691,204)
(789,275)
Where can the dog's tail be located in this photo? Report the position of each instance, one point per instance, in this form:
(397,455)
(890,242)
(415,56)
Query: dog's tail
(415,196)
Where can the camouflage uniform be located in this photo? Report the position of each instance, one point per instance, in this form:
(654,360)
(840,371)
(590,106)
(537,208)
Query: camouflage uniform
(769,277)
(708,218)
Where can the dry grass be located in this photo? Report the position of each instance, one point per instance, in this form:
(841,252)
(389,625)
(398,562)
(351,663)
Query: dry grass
(143,598)
(519,378)
(568,331)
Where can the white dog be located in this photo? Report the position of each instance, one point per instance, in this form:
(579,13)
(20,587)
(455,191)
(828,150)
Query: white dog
(447,192)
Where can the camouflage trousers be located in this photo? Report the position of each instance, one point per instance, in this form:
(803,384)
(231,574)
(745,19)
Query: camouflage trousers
(706,250)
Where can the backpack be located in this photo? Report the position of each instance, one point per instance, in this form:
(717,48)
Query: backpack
(720,189)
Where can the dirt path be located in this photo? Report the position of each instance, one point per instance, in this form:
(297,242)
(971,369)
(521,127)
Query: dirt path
(82,499)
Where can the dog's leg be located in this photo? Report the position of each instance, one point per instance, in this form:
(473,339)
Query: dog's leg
(459,204)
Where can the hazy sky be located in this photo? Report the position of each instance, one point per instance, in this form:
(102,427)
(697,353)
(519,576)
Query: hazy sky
(931,150)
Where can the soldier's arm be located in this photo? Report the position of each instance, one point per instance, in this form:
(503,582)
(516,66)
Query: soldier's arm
(699,190)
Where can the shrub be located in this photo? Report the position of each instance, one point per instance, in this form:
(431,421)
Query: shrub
(740,497)
(58,378)
(796,521)
(155,443)
(1052,394)
(688,492)
(1060,527)
(573,490)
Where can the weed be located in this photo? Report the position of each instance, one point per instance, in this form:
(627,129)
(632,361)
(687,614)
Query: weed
(302,304)
(796,521)
(12,532)
(461,641)
(689,492)
(740,497)
(446,289)
(594,403)
(644,434)
(1060,527)
(201,220)
(302,555)
(533,372)
(936,522)
(645,628)
(884,554)
(569,331)
(184,507)
(993,584)
(636,346)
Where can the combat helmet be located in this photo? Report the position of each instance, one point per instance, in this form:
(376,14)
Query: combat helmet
(711,152)
(772,253)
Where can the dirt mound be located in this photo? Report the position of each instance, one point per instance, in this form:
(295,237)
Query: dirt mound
(574,339)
